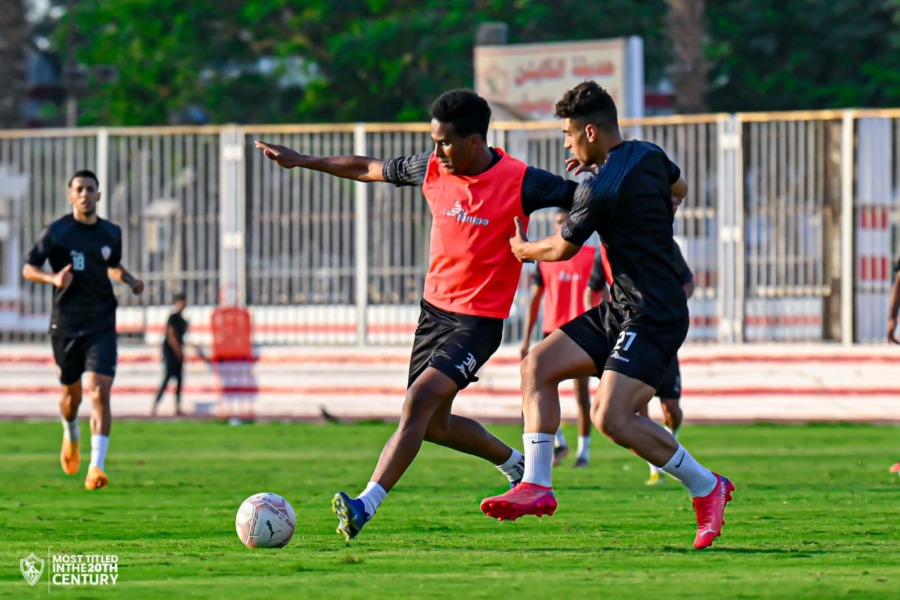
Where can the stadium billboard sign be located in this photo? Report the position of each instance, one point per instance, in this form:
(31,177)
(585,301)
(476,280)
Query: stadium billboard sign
(525,80)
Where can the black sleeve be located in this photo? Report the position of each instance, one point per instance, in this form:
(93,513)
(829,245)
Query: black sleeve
(594,201)
(543,189)
(597,280)
(40,252)
(684,271)
(897,265)
(115,259)
(405,170)
(536,277)
(671,168)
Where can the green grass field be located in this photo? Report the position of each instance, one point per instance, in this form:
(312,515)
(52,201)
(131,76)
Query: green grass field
(815,516)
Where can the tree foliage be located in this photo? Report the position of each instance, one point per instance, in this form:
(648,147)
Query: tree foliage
(386,60)
(13,37)
(376,60)
(804,54)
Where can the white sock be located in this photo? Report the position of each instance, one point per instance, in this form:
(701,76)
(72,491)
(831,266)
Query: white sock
(70,429)
(538,458)
(584,447)
(372,497)
(699,480)
(654,469)
(559,441)
(511,468)
(99,444)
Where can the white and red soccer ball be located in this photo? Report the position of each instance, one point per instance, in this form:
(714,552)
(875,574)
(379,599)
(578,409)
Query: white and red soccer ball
(265,520)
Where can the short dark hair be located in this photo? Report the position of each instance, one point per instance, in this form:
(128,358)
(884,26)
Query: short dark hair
(84,173)
(590,103)
(179,296)
(465,110)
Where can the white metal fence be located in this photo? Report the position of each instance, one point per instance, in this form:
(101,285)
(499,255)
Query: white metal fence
(791,225)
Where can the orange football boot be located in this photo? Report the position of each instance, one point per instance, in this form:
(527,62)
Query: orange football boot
(96,479)
(69,457)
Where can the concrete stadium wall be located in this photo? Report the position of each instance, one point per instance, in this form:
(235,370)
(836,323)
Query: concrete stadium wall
(721,383)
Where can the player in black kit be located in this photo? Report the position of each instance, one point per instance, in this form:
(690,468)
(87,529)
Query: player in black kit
(85,252)
(173,354)
(630,340)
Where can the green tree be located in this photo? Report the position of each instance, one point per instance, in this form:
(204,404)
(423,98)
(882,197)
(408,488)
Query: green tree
(374,60)
(803,54)
(388,60)
(172,55)
(13,37)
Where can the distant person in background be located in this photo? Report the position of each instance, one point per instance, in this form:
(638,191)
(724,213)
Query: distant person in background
(85,252)
(173,353)
(562,286)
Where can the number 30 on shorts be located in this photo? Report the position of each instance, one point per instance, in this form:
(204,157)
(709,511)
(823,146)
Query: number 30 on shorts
(622,335)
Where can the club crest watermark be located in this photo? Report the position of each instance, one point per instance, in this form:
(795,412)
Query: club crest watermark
(71,569)
(32,568)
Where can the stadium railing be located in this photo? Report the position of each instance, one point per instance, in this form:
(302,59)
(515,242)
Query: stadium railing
(791,225)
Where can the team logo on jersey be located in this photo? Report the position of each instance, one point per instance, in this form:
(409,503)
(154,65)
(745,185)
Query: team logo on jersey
(459,213)
(468,366)
(615,354)
(32,568)
(106,252)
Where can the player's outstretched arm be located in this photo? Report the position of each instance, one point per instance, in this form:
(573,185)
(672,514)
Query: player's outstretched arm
(122,276)
(358,168)
(62,279)
(550,249)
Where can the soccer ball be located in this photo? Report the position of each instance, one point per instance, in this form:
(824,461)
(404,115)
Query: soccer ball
(265,520)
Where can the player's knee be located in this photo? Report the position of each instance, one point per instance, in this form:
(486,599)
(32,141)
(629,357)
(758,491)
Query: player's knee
(96,390)
(438,431)
(610,424)
(72,391)
(417,408)
(671,410)
(535,373)
(527,371)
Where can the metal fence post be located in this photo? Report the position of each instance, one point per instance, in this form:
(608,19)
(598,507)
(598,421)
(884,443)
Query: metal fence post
(730,210)
(361,237)
(232,193)
(847,227)
(102,167)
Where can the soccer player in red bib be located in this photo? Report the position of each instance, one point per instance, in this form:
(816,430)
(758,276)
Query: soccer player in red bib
(562,286)
(630,340)
(474,192)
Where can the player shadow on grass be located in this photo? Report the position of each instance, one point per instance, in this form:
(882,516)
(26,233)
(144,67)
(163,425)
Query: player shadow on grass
(722,549)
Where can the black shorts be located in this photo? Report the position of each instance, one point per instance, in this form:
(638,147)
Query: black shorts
(670,388)
(629,344)
(94,352)
(173,366)
(456,345)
